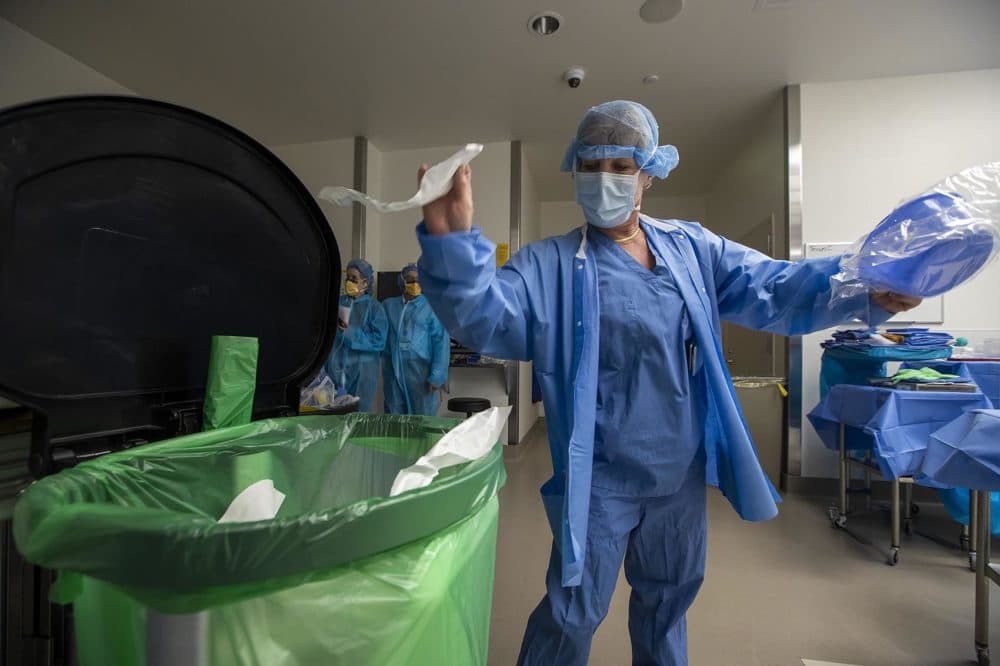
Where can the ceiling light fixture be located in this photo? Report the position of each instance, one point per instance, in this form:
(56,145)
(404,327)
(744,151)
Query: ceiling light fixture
(545,24)
(660,11)
(650,79)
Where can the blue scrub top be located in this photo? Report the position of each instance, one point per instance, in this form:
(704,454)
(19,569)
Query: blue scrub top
(648,424)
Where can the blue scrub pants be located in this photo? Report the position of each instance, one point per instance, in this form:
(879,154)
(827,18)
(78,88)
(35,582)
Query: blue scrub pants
(662,540)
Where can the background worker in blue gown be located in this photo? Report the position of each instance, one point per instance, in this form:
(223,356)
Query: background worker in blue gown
(417,352)
(361,331)
(621,318)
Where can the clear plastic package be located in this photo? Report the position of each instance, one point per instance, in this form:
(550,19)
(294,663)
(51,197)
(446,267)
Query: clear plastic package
(320,393)
(930,243)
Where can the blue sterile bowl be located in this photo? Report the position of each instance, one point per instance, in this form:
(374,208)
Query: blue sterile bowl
(927,246)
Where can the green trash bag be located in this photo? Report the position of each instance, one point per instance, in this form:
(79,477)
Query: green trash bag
(232,381)
(343,574)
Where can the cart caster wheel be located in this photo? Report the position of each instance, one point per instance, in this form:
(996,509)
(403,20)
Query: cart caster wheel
(840,521)
(914,509)
(893,558)
(972,561)
(983,656)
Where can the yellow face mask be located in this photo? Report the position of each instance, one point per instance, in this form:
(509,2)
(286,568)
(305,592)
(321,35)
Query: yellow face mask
(412,289)
(352,289)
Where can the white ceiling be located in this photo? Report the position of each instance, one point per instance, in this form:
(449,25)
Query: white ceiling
(414,73)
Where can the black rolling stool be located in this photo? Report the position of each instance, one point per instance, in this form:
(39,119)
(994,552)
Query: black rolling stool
(468,405)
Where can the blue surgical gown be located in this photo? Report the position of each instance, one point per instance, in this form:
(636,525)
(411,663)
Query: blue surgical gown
(354,362)
(544,306)
(416,358)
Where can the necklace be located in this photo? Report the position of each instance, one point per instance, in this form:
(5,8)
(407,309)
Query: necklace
(630,237)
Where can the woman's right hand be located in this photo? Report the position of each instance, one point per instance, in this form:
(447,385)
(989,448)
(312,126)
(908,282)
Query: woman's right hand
(453,211)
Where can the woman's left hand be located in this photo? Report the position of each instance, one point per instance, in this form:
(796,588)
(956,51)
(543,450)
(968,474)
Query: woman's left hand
(895,303)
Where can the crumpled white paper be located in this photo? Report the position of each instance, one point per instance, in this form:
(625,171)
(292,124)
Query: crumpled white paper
(260,501)
(435,184)
(470,440)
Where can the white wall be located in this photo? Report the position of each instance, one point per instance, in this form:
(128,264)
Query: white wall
(868,144)
(561,217)
(752,185)
(491,192)
(32,70)
(320,164)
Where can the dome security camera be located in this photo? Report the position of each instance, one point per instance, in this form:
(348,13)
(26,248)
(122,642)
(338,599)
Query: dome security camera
(574,77)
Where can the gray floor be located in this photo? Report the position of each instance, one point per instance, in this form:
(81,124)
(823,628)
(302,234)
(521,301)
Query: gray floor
(775,592)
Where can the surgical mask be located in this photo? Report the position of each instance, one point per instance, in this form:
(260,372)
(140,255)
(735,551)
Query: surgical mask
(412,289)
(607,199)
(352,289)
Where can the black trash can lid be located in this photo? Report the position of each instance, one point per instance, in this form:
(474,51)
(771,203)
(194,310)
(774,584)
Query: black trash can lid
(131,232)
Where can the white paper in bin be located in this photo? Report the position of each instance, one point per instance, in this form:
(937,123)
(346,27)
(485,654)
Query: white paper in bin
(259,501)
(435,184)
(470,440)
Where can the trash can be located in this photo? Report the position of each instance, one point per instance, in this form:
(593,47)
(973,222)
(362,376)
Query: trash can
(762,400)
(134,232)
(343,574)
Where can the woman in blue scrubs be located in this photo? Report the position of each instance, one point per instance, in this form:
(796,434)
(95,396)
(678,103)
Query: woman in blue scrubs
(417,353)
(621,319)
(362,327)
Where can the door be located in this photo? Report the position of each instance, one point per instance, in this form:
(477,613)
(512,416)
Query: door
(752,353)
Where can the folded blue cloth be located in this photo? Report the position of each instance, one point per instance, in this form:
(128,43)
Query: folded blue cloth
(922,337)
(913,339)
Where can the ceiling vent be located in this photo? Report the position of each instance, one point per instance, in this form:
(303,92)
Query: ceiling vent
(545,24)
